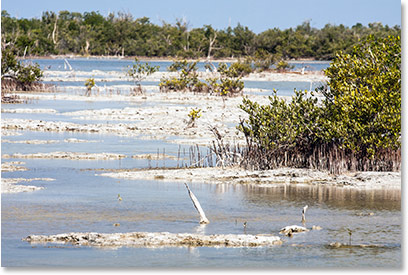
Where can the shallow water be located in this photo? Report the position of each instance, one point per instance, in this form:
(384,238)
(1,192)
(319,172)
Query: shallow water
(79,200)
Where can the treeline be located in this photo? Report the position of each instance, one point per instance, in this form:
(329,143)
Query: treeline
(91,33)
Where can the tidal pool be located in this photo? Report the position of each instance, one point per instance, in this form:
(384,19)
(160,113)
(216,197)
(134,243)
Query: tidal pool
(80,201)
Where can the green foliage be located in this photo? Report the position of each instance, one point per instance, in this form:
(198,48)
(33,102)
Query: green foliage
(364,99)
(28,74)
(242,68)
(230,80)
(89,84)
(140,71)
(172,84)
(263,60)
(9,63)
(283,66)
(228,84)
(282,124)
(360,111)
(194,115)
(186,80)
(25,74)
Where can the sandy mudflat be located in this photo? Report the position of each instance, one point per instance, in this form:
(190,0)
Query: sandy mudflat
(9,185)
(107,76)
(12,166)
(66,155)
(363,180)
(168,117)
(47,141)
(157,239)
(28,111)
(30,141)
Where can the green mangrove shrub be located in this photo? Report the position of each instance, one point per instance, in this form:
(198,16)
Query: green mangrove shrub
(138,72)
(89,84)
(230,80)
(194,115)
(283,66)
(16,75)
(186,80)
(227,84)
(354,124)
(364,98)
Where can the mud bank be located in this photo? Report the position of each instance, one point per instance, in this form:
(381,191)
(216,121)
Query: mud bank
(9,185)
(159,239)
(367,180)
(13,166)
(66,155)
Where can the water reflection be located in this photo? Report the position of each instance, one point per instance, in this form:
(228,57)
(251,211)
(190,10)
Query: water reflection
(200,229)
(331,196)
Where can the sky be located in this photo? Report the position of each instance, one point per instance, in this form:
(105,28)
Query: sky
(258,15)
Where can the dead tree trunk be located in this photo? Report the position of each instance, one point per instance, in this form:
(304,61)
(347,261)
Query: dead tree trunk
(210,47)
(54,31)
(203,218)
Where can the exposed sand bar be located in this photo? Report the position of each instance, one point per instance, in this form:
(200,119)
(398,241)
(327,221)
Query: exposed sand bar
(373,180)
(66,155)
(12,166)
(30,141)
(45,141)
(165,116)
(107,76)
(7,133)
(155,156)
(157,239)
(28,111)
(9,185)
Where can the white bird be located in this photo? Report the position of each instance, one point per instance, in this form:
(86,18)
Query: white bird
(203,218)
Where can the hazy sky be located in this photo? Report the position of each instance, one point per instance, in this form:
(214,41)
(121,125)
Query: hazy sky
(258,15)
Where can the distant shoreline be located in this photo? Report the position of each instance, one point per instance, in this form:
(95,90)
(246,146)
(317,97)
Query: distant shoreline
(147,58)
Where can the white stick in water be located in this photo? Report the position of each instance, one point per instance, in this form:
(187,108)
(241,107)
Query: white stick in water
(203,218)
(304,214)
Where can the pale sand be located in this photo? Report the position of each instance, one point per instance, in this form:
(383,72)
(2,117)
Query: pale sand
(66,155)
(9,185)
(266,178)
(12,166)
(166,119)
(47,141)
(108,76)
(157,239)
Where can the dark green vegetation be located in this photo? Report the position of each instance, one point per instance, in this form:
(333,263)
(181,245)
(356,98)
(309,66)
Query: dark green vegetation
(354,123)
(18,76)
(139,72)
(91,33)
(228,83)
(23,74)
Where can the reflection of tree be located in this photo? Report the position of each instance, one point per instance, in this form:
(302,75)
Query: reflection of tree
(331,196)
